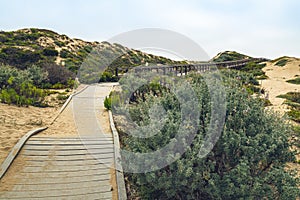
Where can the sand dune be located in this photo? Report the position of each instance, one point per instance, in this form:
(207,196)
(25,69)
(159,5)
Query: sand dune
(276,83)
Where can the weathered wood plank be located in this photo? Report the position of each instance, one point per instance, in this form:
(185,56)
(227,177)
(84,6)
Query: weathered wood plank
(60,186)
(105,193)
(67,147)
(52,164)
(77,197)
(64,174)
(68,142)
(65,168)
(55,158)
(26,180)
(27,152)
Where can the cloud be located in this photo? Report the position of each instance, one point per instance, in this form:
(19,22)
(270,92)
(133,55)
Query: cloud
(260,27)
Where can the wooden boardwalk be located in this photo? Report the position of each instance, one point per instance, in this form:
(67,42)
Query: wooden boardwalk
(52,168)
(66,167)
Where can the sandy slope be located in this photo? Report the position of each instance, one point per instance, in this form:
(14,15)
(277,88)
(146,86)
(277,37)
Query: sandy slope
(276,83)
(17,121)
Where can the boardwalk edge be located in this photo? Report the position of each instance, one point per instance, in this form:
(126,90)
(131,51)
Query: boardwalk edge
(119,172)
(16,149)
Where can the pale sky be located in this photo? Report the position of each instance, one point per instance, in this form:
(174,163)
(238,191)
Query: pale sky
(260,28)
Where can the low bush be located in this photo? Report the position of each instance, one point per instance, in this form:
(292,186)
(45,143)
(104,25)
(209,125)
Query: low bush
(26,95)
(112,100)
(50,52)
(107,103)
(294,81)
(61,97)
(282,62)
(292,96)
(108,77)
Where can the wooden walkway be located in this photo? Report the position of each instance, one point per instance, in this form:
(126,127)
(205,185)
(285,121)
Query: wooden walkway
(52,168)
(68,167)
(186,68)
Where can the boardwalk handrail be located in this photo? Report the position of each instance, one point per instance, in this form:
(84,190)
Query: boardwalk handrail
(201,67)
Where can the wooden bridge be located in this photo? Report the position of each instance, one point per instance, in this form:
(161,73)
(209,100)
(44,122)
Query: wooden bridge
(198,67)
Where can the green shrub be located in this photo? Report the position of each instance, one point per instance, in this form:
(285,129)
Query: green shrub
(255,69)
(294,81)
(58,86)
(18,57)
(57,74)
(282,62)
(107,103)
(26,95)
(108,77)
(247,162)
(295,115)
(292,96)
(65,53)
(113,100)
(59,43)
(62,97)
(50,52)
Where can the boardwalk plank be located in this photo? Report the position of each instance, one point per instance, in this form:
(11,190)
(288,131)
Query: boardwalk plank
(70,147)
(47,158)
(68,142)
(60,186)
(29,152)
(57,193)
(62,180)
(65,168)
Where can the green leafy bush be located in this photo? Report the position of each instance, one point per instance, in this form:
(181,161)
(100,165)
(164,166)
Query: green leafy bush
(17,86)
(65,53)
(107,103)
(112,100)
(57,74)
(247,162)
(294,81)
(255,69)
(295,115)
(62,97)
(292,96)
(50,52)
(18,57)
(282,62)
(108,77)
(59,43)
(26,95)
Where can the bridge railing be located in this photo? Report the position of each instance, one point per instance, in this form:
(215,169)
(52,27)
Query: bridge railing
(199,67)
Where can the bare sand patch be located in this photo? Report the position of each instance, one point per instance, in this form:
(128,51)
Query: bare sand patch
(17,121)
(276,83)
(63,126)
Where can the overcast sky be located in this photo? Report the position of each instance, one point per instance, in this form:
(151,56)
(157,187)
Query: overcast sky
(261,28)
